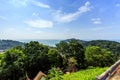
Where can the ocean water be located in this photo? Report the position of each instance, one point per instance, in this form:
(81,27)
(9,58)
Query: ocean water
(48,42)
(116,40)
(52,42)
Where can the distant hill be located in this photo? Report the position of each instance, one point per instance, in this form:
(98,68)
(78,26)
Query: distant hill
(6,44)
(112,46)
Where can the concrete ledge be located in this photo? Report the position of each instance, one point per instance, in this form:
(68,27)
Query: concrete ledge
(108,72)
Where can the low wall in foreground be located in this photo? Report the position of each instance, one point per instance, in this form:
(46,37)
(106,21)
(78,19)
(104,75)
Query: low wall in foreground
(109,72)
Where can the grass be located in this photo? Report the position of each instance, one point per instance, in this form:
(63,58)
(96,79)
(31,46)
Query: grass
(88,74)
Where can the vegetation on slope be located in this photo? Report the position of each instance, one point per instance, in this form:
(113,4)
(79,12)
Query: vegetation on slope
(87,74)
(112,46)
(6,44)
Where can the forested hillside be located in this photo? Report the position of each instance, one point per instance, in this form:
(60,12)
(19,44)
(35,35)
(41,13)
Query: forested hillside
(67,56)
(112,46)
(6,44)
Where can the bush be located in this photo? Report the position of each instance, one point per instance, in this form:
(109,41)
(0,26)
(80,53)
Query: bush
(55,74)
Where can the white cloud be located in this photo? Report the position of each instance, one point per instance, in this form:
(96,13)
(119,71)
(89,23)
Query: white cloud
(25,3)
(85,8)
(96,21)
(40,23)
(68,17)
(3,18)
(40,4)
(117,5)
(19,2)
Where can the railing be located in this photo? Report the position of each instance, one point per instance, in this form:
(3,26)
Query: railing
(109,72)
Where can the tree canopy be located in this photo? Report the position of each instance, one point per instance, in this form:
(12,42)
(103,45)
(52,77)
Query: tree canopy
(74,49)
(36,58)
(12,64)
(96,56)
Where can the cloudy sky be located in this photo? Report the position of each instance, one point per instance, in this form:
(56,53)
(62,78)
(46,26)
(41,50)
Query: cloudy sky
(59,19)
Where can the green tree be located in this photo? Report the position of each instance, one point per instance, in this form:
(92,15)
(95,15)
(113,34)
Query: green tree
(96,56)
(72,48)
(77,51)
(55,58)
(111,46)
(36,58)
(12,65)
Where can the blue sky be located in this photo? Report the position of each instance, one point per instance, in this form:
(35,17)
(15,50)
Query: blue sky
(59,19)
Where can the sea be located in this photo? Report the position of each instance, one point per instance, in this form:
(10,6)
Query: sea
(51,42)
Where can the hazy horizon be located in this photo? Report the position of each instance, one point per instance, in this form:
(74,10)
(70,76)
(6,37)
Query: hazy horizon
(53,42)
(61,39)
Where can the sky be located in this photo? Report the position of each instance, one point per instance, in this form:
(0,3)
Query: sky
(59,19)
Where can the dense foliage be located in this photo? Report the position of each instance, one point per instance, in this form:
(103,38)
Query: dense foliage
(36,58)
(6,44)
(12,65)
(19,62)
(70,49)
(55,59)
(96,56)
(111,46)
